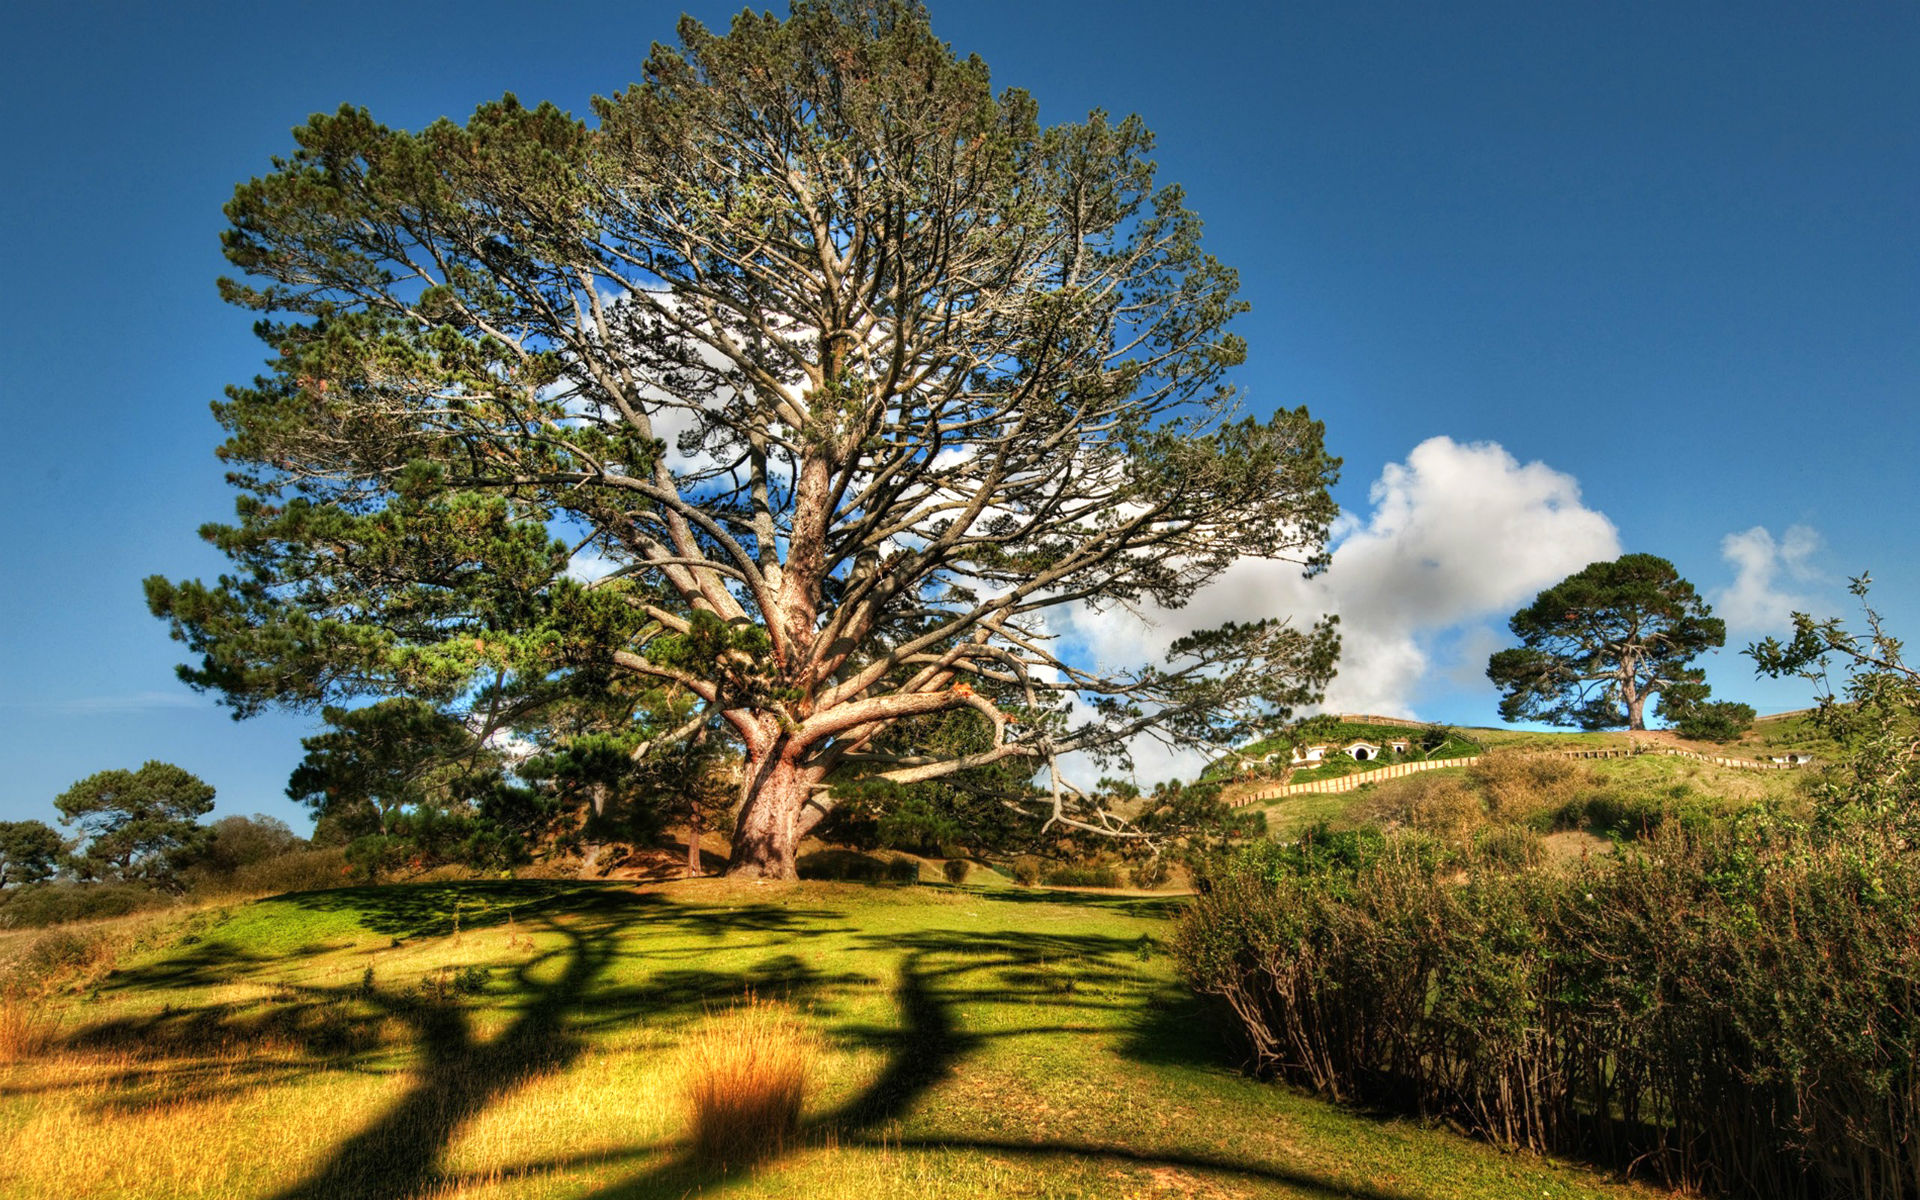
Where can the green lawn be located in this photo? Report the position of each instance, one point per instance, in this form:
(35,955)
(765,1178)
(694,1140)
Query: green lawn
(521,1039)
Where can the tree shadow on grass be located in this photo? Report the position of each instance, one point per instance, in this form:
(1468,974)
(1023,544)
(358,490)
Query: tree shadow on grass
(1157,907)
(940,976)
(429,910)
(937,974)
(399,1154)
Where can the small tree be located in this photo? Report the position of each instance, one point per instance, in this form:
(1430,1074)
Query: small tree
(139,825)
(1874,713)
(1597,645)
(237,842)
(29,852)
(392,778)
(1694,716)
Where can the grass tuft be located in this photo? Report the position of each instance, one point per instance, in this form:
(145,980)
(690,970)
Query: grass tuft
(745,1083)
(26,1028)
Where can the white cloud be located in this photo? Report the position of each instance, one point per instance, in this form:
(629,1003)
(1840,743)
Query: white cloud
(1757,601)
(1459,534)
(588,565)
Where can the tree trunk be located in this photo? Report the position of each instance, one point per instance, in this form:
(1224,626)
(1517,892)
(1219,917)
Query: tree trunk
(1636,712)
(766,839)
(693,836)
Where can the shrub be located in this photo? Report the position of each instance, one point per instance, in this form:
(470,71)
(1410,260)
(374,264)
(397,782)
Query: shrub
(43,904)
(1026,870)
(59,957)
(956,870)
(1077,877)
(903,870)
(744,1078)
(1518,786)
(1612,813)
(846,865)
(298,871)
(1510,846)
(1729,1009)
(1708,720)
(1438,802)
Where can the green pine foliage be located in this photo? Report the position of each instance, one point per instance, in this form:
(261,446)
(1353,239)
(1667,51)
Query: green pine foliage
(1595,647)
(136,826)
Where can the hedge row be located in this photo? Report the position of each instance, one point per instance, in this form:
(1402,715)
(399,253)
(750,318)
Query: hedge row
(1735,1010)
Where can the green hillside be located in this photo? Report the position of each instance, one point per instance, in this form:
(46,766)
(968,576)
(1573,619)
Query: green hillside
(1608,797)
(1458,744)
(526,1039)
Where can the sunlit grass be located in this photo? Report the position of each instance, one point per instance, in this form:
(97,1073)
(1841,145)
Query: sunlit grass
(960,1042)
(744,1076)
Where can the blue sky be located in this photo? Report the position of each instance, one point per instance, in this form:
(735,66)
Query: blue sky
(1552,274)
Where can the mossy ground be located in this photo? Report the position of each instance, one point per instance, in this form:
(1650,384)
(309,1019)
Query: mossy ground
(519,1039)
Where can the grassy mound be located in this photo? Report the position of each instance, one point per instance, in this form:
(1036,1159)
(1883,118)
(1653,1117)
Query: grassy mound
(1608,797)
(528,1039)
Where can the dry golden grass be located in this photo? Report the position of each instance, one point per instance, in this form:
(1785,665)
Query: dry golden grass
(1442,803)
(126,1125)
(744,1082)
(26,1027)
(1519,785)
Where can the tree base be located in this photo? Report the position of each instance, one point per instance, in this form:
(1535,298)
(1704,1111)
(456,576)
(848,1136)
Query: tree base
(761,872)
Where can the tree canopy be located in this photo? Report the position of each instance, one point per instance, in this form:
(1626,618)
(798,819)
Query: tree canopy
(812,384)
(139,825)
(29,852)
(1595,646)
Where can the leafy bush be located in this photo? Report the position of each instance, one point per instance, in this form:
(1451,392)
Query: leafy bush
(1026,871)
(1072,876)
(903,870)
(45,904)
(1716,721)
(1730,1010)
(846,865)
(956,869)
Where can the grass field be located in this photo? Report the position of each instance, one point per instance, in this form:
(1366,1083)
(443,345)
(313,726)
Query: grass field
(526,1039)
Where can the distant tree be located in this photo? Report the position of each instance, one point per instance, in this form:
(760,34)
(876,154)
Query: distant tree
(1694,716)
(139,825)
(29,852)
(236,842)
(857,375)
(374,763)
(1597,645)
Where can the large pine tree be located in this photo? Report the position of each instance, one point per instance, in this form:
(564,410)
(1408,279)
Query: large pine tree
(853,377)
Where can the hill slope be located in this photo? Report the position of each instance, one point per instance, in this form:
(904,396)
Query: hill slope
(522,1040)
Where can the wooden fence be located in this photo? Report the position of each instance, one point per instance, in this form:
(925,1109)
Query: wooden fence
(1346,783)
